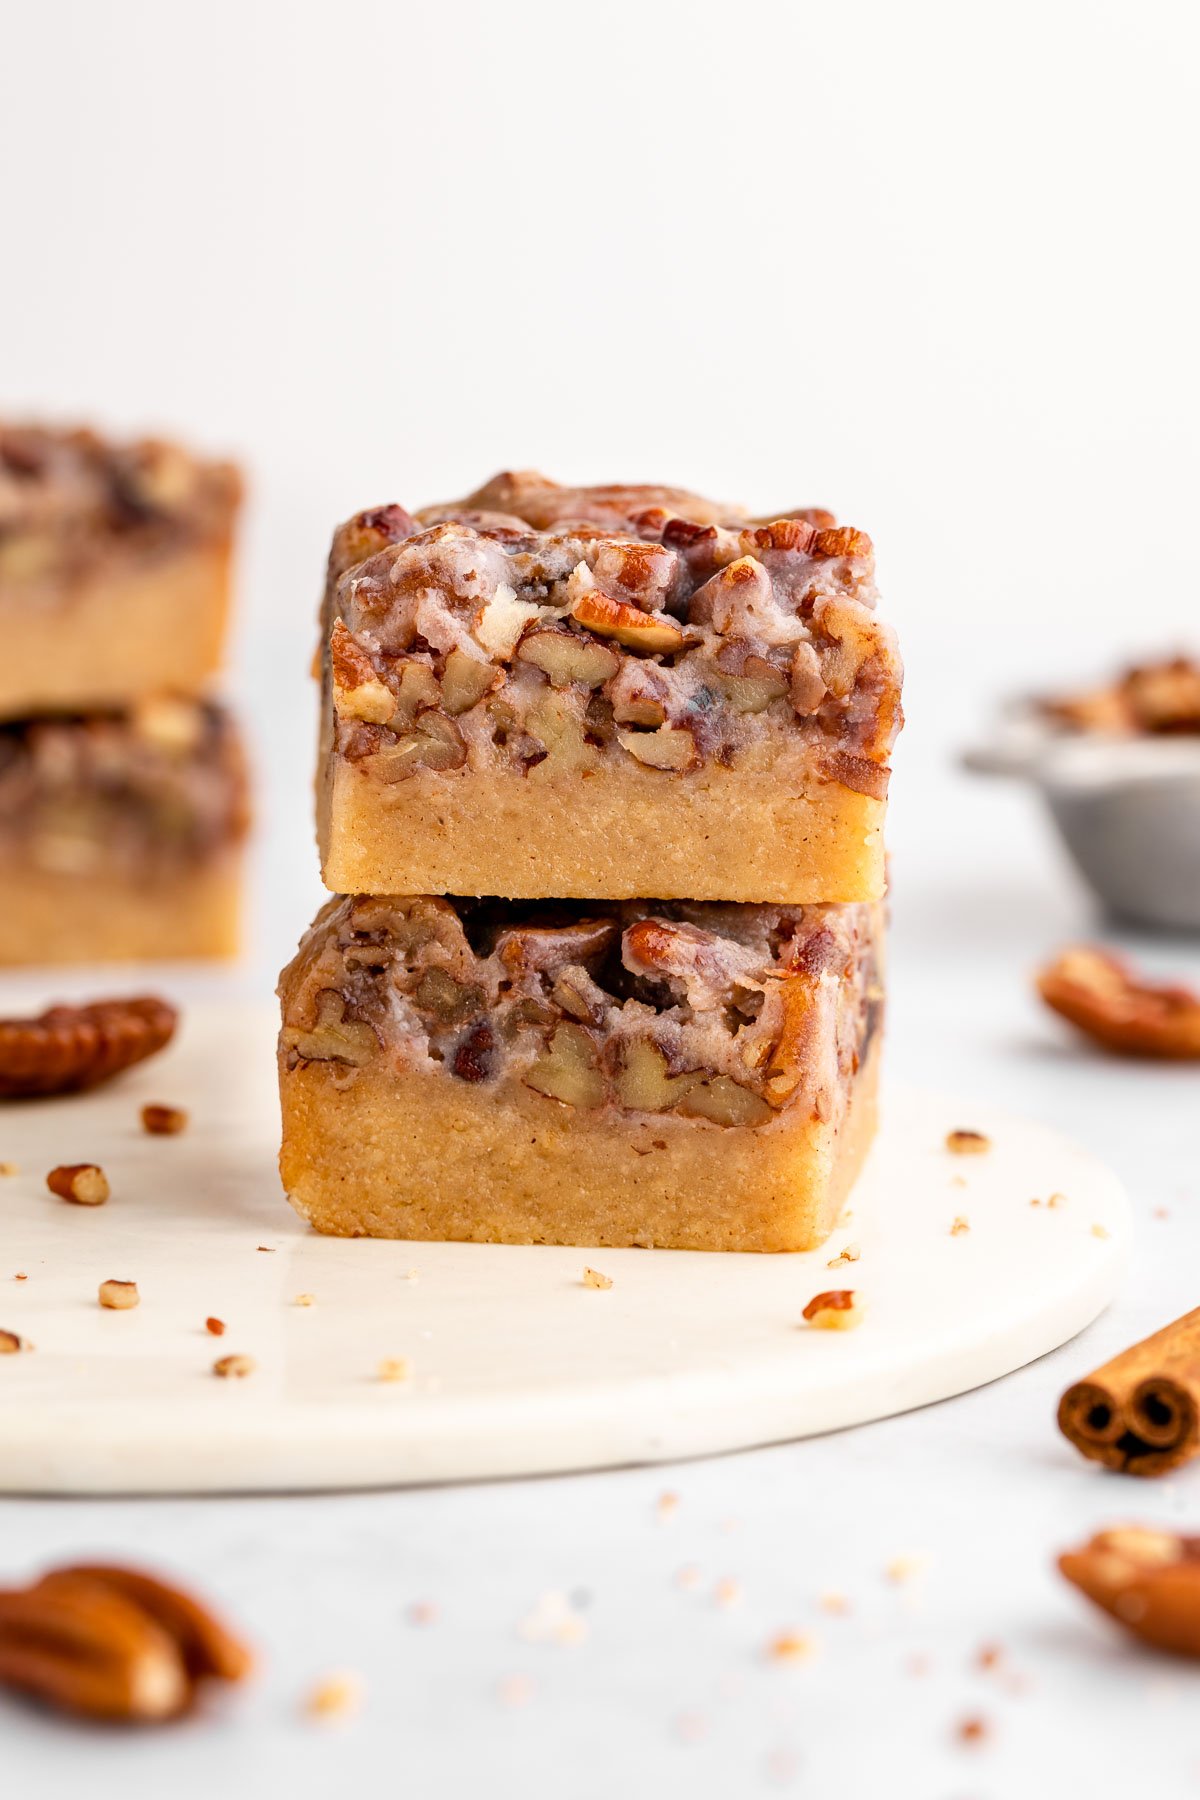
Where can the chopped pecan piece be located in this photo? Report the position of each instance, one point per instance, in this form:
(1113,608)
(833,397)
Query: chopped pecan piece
(333,1037)
(466,680)
(1101,996)
(435,742)
(837,1310)
(644,1082)
(650,634)
(119,1296)
(72,1047)
(550,948)
(358,691)
(671,747)
(567,1069)
(235,1368)
(84,1183)
(567,656)
(724,1101)
(164,1121)
(967,1143)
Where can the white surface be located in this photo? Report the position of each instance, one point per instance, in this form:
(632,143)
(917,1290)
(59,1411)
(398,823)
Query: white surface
(931,264)
(685,1355)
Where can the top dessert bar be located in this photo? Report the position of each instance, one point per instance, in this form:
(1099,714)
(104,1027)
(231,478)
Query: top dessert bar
(604,692)
(114,569)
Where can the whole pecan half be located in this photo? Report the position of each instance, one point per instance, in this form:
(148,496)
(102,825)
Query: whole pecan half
(72,1047)
(1146,1579)
(111,1643)
(1102,997)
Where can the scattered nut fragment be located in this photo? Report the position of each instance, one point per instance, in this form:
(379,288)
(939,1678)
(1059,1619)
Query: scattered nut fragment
(834,1602)
(1101,996)
(9,1168)
(1146,1579)
(72,1047)
(592,1278)
(234,1366)
(967,1143)
(304,1300)
(336,1697)
(105,1642)
(20,1275)
(84,1183)
(850,1254)
(11,1344)
(164,1121)
(666,1506)
(906,1568)
(792,1647)
(1101,1231)
(960,1226)
(838,1310)
(215,1327)
(119,1296)
(728,1593)
(393,1368)
(972,1731)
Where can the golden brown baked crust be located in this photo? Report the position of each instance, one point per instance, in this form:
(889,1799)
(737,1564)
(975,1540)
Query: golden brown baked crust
(640,1073)
(111,916)
(114,568)
(609,645)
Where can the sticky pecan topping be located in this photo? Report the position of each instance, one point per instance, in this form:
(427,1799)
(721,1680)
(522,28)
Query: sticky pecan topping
(738,630)
(718,1013)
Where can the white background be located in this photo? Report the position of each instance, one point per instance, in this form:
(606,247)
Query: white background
(932,265)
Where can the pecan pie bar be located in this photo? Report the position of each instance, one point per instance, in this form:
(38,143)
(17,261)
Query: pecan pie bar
(604,692)
(121,835)
(668,1073)
(114,569)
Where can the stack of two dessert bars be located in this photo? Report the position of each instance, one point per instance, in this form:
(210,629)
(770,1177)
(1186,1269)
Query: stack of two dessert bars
(540,705)
(122,789)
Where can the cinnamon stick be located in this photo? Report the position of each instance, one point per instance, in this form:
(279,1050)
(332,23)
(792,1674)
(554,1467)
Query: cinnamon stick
(1140,1413)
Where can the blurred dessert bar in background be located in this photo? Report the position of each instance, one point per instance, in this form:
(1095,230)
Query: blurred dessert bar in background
(685,1075)
(601,693)
(123,794)
(121,834)
(114,569)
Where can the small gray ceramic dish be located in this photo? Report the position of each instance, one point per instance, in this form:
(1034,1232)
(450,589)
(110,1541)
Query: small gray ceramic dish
(1127,809)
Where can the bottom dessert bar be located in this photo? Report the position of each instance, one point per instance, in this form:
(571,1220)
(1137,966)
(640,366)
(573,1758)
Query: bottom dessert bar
(671,1074)
(121,835)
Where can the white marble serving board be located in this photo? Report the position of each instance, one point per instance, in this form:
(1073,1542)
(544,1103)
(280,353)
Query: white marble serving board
(515,1367)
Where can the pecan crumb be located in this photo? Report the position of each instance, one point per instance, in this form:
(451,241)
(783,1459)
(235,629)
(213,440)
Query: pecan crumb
(20,1275)
(850,1254)
(337,1697)
(1057,1200)
(972,1731)
(833,1602)
(304,1300)
(1101,1231)
(393,1368)
(239,1366)
(215,1327)
(728,1593)
(960,1226)
(666,1506)
(967,1143)
(837,1310)
(84,1183)
(592,1278)
(10,1343)
(905,1568)
(9,1168)
(792,1647)
(120,1296)
(164,1121)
